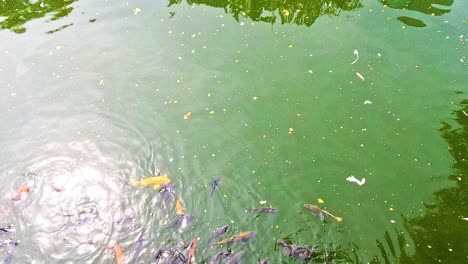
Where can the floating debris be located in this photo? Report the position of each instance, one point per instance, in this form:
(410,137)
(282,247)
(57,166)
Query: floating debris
(136,11)
(187,115)
(360,76)
(351,178)
(356,52)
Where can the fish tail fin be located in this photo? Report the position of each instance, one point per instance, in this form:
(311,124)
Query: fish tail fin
(136,183)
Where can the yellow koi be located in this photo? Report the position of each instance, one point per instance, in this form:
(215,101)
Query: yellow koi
(180,210)
(244,236)
(317,210)
(156,181)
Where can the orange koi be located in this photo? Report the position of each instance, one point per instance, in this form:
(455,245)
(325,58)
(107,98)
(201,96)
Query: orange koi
(192,249)
(119,253)
(243,236)
(23,190)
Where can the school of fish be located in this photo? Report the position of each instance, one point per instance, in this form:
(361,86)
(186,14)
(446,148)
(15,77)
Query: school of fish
(188,254)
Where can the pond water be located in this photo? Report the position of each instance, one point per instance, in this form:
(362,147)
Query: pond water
(282,100)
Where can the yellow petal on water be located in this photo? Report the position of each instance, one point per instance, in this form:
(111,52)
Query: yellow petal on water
(209,94)
(320,201)
(391,209)
(136,10)
(101,82)
(338,219)
(290,46)
(262,202)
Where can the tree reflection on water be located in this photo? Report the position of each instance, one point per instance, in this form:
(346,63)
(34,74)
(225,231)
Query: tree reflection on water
(18,12)
(302,12)
(442,227)
(299,12)
(440,234)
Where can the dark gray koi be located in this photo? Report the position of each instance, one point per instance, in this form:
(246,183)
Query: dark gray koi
(182,220)
(268,210)
(214,185)
(218,232)
(220,256)
(235,258)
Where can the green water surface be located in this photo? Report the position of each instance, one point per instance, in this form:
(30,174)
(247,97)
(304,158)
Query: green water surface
(287,99)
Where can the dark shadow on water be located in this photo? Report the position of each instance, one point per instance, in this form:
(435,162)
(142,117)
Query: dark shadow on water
(15,13)
(299,12)
(440,234)
(428,7)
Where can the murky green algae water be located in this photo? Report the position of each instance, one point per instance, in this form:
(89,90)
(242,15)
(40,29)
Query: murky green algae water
(287,101)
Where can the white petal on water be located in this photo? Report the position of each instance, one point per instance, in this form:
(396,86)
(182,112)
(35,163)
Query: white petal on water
(356,52)
(360,76)
(367,102)
(351,178)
